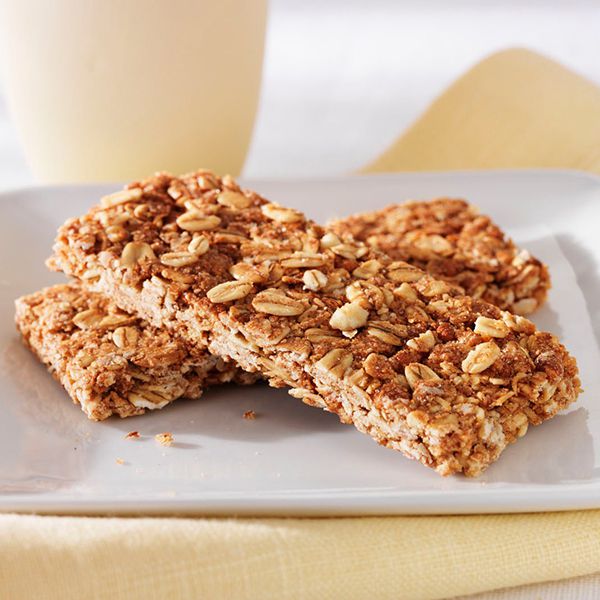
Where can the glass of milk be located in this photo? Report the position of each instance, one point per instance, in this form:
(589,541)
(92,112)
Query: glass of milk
(118,89)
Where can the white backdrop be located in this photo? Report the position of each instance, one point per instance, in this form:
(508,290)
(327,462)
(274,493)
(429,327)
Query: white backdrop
(343,78)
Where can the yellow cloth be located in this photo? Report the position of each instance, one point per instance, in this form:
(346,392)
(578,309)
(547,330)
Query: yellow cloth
(515,109)
(52,558)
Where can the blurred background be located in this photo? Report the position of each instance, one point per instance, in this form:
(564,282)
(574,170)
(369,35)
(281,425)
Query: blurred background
(343,78)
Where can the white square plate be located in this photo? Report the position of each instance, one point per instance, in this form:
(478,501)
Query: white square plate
(293,459)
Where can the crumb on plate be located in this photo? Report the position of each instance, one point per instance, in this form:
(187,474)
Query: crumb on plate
(164,439)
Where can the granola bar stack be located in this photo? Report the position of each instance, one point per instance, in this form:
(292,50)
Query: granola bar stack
(398,338)
(111,362)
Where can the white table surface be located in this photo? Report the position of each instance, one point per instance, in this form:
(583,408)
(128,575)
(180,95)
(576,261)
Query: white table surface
(343,78)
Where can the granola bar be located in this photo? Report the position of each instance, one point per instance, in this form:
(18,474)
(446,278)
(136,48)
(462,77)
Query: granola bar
(447,379)
(449,239)
(110,362)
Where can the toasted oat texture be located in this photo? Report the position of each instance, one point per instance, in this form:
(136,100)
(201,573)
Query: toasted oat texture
(450,240)
(110,362)
(447,379)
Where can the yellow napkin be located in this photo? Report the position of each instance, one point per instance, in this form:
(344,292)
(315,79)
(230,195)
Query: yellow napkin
(52,558)
(516,109)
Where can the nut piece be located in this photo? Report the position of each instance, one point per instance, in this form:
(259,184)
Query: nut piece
(91,274)
(224,237)
(233,199)
(406,292)
(275,302)
(273,372)
(403,272)
(307,397)
(525,306)
(116,233)
(88,319)
(121,197)
(228,291)
(481,357)
(173,275)
(417,419)
(145,398)
(196,221)
(329,240)
(178,259)
(134,252)
(84,359)
(141,211)
(125,337)
(423,342)
(349,316)
(336,362)
(355,291)
(314,279)
(520,422)
(349,251)
(416,372)
(247,272)
(175,192)
(518,323)
(434,287)
(110,321)
(199,245)
(368,269)
(207,181)
(376,365)
(301,260)
(387,332)
(435,244)
(491,327)
(317,335)
(281,214)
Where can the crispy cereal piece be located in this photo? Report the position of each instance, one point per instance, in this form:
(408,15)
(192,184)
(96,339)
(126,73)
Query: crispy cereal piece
(447,379)
(110,362)
(164,439)
(450,240)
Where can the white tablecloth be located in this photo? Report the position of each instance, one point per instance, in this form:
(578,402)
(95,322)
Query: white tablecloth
(343,78)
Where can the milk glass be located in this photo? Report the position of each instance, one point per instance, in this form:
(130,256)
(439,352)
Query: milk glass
(118,89)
